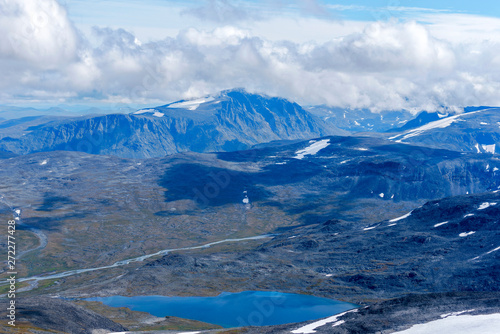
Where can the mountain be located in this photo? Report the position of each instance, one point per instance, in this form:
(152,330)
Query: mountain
(474,131)
(423,118)
(228,121)
(361,120)
(11,112)
(18,127)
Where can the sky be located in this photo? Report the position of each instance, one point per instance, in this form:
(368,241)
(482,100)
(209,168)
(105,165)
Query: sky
(376,54)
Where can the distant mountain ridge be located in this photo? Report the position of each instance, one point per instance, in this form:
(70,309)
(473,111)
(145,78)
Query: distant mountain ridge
(228,121)
(423,118)
(477,130)
(361,120)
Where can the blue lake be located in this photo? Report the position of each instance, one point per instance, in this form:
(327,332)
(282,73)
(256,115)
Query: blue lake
(249,308)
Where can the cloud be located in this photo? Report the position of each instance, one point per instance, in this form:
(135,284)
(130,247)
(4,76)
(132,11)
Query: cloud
(315,8)
(387,66)
(36,31)
(223,11)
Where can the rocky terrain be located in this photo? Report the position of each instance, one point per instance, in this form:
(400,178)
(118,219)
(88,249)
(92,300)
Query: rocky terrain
(55,315)
(189,199)
(335,259)
(408,232)
(397,314)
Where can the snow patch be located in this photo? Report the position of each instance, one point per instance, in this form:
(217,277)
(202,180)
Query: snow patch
(489,148)
(245,200)
(17,211)
(454,314)
(381,195)
(191,104)
(281,163)
(466,234)
(491,251)
(43,163)
(400,218)
(463,324)
(394,224)
(312,149)
(484,123)
(469,215)
(495,169)
(142,111)
(310,328)
(477,148)
(369,228)
(486,205)
(158,114)
(439,124)
(437,225)
(494,250)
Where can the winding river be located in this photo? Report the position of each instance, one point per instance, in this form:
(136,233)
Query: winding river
(43,277)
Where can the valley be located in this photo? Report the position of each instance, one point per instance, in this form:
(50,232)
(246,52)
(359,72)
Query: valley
(364,218)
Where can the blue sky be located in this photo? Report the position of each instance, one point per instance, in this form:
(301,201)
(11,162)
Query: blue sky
(154,19)
(378,54)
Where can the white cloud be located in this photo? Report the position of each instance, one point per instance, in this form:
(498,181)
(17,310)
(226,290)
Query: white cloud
(385,65)
(37,31)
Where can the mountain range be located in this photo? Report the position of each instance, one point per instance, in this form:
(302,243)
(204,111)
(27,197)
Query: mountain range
(228,121)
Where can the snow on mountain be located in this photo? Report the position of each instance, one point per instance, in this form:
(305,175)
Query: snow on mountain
(459,324)
(442,123)
(311,328)
(474,131)
(314,148)
(144,111)
(489,148)
(486,205)
(191,104)
(400,218)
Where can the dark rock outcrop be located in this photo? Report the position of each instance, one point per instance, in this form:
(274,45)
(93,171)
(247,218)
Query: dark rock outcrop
(61,316)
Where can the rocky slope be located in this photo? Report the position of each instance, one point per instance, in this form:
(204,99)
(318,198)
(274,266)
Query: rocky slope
(56,315)
(361,120)
(398,314)
(445,245)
